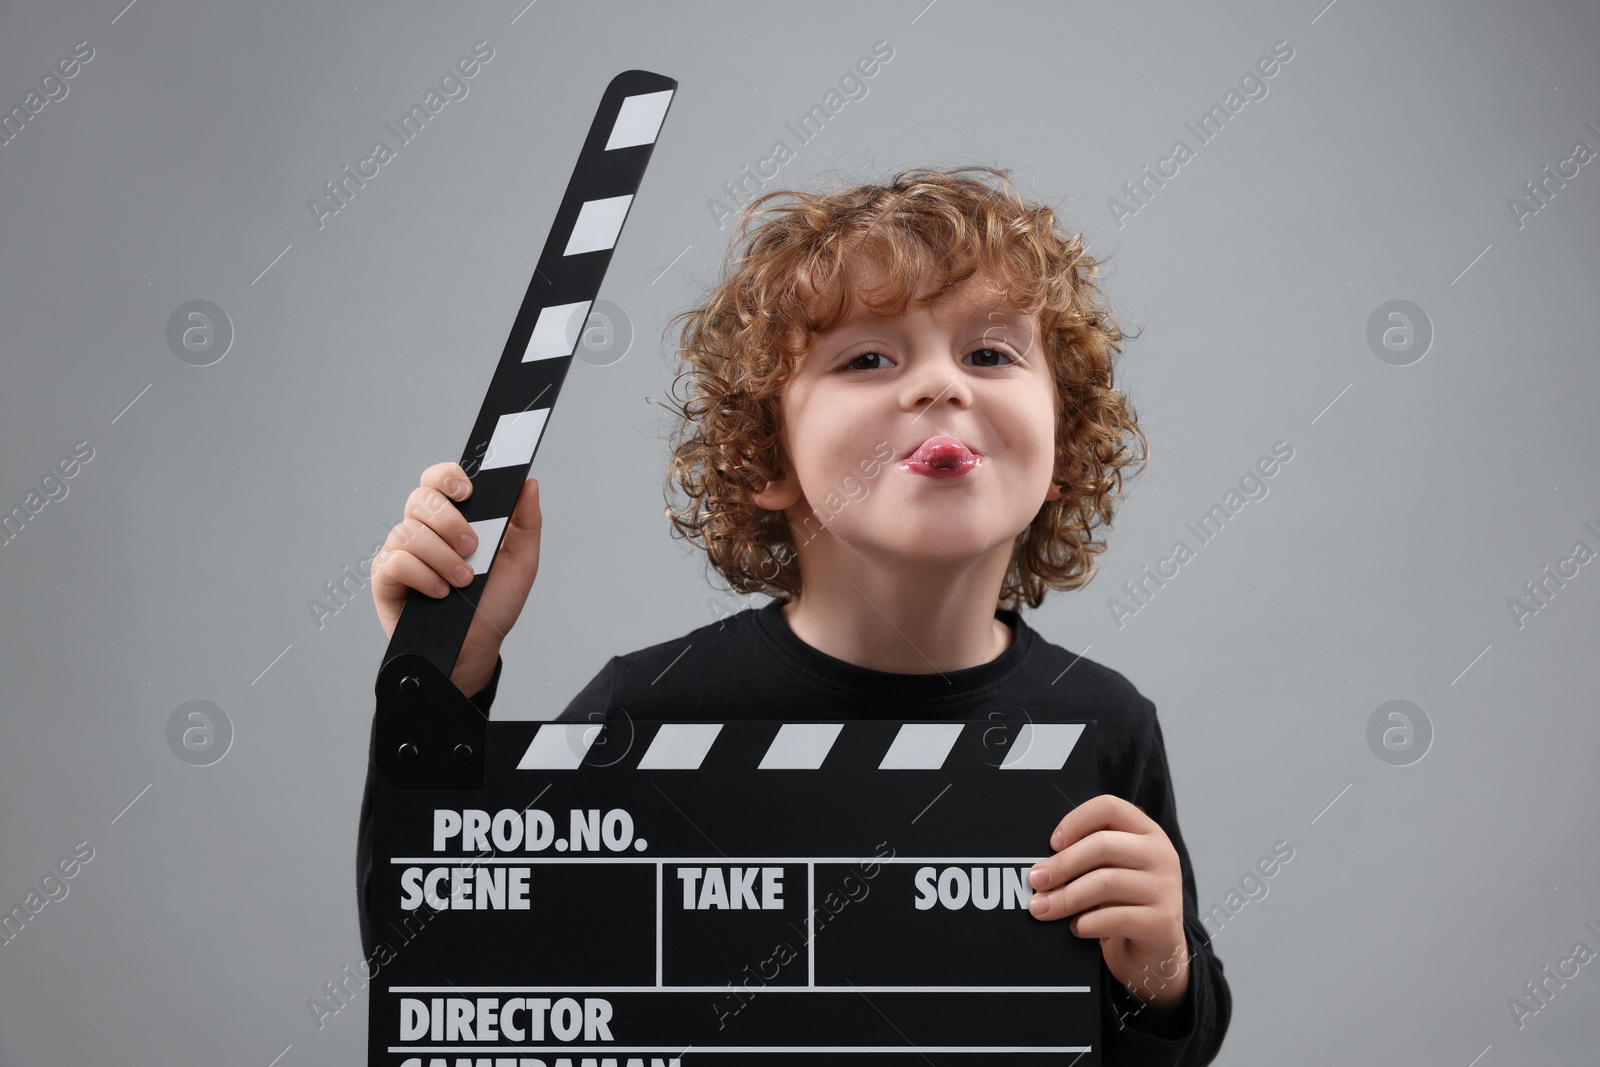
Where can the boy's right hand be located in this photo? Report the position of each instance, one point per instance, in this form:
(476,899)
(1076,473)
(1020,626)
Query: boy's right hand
(425,549)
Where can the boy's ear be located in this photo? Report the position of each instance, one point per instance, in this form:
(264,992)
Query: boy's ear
(779,495)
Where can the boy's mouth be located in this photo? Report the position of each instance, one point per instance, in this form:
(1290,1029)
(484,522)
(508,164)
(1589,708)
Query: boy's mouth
(941,454)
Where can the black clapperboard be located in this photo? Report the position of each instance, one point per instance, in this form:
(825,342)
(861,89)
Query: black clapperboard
(651,892)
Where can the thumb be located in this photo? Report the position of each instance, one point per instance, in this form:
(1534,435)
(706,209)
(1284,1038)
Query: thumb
(522,528)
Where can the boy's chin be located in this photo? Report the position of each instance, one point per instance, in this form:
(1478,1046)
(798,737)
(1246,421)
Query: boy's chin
(941,545)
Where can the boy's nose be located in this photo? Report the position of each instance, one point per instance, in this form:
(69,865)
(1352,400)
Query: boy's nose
(933,381)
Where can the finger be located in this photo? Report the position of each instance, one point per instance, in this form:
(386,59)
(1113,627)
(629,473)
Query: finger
(422,543)
(436,511)
(1108,885)
(526,512)
(1106,811)
(1103,848)
(449,478)
(401,571)
(1134,923)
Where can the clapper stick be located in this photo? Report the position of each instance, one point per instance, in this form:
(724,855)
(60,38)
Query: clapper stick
(428,733)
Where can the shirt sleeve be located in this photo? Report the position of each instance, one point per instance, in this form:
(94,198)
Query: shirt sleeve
(1132,1035)
(593,702)
(483,698)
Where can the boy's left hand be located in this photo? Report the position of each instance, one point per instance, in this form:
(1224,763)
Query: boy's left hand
(1116,871)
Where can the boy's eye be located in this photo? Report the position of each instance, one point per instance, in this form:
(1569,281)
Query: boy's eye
(997,352)
(852,363)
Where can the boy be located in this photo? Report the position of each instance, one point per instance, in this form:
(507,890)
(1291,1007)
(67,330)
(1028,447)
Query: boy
(902,393)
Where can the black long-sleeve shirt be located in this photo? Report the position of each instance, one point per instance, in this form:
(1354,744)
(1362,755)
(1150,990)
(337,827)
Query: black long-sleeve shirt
(752,665)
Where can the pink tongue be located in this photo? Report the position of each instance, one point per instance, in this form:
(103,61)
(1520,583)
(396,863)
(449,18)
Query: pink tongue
(945,454)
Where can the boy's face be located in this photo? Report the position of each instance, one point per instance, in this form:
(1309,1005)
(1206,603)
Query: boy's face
(866,394)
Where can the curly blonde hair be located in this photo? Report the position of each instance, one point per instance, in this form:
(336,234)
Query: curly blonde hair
(741,344)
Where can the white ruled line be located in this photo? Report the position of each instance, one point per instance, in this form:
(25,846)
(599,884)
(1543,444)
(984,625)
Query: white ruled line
(811,942)
(468,859)
(964,989)
(673,1050)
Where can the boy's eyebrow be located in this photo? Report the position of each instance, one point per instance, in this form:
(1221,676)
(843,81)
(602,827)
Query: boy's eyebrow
(1005,311)
(981,312)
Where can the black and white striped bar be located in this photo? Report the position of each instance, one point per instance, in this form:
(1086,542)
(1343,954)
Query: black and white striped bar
(751,892)
(538,351)
(802,746)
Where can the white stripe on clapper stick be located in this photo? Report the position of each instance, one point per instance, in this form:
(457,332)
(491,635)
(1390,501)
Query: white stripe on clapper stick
(680,746)
(800,746)
(639,120)
(599,222)
(556,331)
(1043,746)
(558,746)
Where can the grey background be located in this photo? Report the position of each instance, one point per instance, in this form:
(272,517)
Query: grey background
(1379,566)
